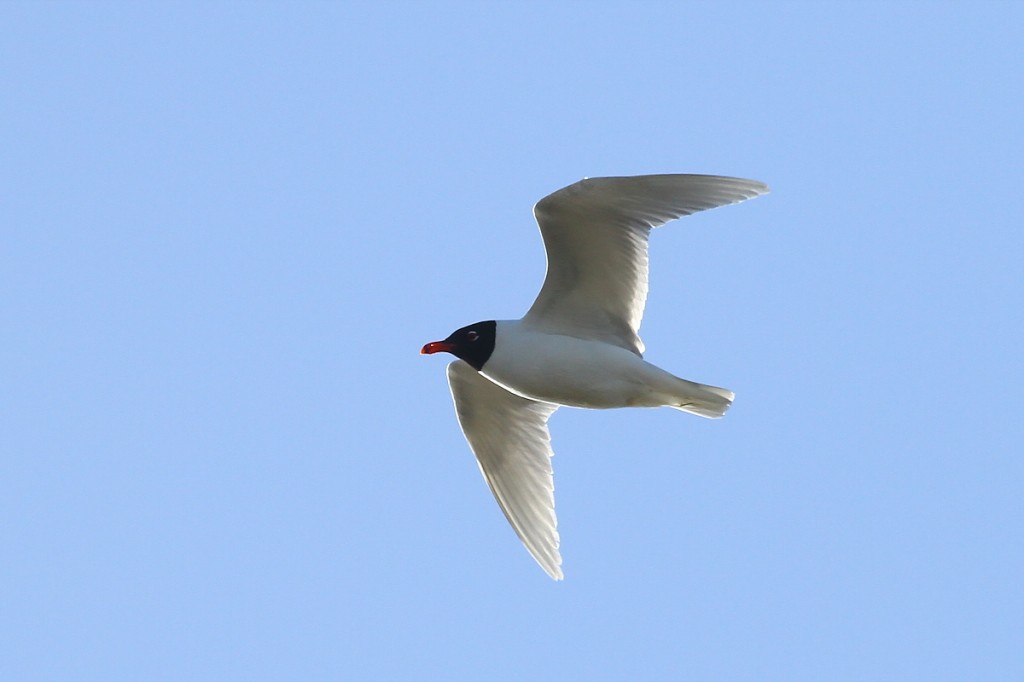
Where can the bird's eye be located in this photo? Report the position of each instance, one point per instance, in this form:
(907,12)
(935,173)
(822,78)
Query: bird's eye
(472,336)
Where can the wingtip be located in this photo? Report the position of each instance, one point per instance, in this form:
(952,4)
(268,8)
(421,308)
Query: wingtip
(749,188)
(761,188)
(550,561)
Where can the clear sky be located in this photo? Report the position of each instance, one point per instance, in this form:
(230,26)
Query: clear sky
(227,229)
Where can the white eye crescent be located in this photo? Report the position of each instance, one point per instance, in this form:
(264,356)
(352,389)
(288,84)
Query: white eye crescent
(472,336)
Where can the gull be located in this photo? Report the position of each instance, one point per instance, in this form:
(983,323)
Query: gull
(578,345)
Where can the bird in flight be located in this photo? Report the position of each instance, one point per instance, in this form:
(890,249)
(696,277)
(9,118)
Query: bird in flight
(578,345)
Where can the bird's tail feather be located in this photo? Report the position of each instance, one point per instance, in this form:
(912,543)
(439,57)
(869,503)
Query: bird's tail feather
(703,400)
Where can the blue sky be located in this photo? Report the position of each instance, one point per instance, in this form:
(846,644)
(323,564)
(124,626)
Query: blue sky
(229,227)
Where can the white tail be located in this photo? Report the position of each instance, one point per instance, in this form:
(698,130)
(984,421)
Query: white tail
(701,399)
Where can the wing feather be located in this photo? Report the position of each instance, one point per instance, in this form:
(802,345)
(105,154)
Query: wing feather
(596,233)
(510,438)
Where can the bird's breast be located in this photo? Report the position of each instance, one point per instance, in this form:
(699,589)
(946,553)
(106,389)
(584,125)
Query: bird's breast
(566,370)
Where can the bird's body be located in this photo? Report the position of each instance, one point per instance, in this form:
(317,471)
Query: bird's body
(565,370)
(578,345)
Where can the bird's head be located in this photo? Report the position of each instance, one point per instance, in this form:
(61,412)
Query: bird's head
(473,343)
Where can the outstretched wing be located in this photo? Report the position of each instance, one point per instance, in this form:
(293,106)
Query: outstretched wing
(595,234)
(509,436)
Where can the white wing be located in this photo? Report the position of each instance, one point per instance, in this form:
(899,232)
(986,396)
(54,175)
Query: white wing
(595,234)
(509,436)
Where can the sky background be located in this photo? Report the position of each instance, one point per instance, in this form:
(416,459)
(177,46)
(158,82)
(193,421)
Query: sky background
(227,229)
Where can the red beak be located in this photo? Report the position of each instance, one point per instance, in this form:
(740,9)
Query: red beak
(436,347)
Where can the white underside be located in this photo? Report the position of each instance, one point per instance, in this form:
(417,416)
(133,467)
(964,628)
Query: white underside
(582,373)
